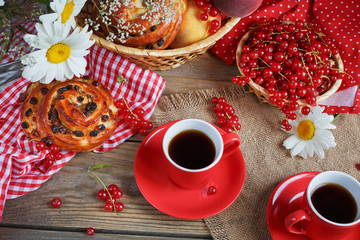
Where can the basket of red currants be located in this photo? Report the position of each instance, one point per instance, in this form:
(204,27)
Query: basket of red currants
(289,64)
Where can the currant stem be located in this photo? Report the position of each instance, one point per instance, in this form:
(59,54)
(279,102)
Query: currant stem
(124,100)
(336,117)
(342,71)
(106,189)
(307,71)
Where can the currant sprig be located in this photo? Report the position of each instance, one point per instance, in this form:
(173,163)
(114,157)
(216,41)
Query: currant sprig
(208,9)
(108,194)
(134,118)
(52,156)
(225,114)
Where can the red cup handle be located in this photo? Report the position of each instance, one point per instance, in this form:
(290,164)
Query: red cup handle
(231,143)
(293,220)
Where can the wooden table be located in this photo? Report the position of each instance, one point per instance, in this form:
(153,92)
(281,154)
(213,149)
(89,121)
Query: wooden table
(32,217)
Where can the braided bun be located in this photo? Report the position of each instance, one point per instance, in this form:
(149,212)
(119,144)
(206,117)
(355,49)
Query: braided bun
(77,115)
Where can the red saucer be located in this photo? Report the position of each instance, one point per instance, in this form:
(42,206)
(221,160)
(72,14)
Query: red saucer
(286,198)
(175,201)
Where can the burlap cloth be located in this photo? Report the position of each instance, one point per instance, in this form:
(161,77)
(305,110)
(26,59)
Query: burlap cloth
(267,161)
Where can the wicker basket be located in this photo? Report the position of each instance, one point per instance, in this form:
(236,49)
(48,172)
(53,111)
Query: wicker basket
(263,94)
(168,58)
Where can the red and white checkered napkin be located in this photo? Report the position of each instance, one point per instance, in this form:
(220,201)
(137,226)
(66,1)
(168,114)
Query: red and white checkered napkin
(340,20)
(21,165)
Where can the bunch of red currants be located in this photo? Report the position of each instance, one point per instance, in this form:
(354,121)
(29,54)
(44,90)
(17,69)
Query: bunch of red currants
(208,9)
(291,61)
(134,118)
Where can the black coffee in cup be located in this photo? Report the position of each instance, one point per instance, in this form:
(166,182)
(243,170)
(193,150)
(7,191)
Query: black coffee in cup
(192,149)
(335,203)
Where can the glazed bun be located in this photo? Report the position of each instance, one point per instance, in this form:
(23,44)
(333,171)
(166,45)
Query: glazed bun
(193,29)
(144,24)
(78,115)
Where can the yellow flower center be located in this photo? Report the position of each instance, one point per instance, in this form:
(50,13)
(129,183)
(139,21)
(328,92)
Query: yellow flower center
(68,10)
(58,53)
(306,129)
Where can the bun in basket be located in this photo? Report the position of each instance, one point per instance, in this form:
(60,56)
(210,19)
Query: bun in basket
(77,115)
(146,24)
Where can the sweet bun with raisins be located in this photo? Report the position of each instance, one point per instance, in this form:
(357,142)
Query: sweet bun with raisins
(77,115)
(144,24)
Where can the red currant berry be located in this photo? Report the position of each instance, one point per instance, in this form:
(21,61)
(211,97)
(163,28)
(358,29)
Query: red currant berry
(214,100)
(213,30)
(117,193)
(294,106)
(246,49)
(235,79)
(56,203)
(228,129)
(220,115)
(102,194)
(221,100)
(143,132)
(49,162)
(292,116)
(280,103)
(273,99)
(200,4)
(204,16)
(213,12)
(112,187)
(40,146)
(2,121)
(288,127)
(109,207)
(284,122)
(222,122)
(120,104)
(305,110)
(90,231)
(267,72)
(219,108)
(58,156)
(53,148)
(214,24)
(206,8)
(211,190)
(119,206)
(139,112)
(111,200)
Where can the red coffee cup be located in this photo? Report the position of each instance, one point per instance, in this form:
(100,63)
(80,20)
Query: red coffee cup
(193,132)
(330,207)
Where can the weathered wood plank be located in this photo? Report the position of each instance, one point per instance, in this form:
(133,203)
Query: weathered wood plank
(7,233)
(203,72)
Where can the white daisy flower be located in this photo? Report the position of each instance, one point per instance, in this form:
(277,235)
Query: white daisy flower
(59,56)
(311,133)
(64,11)
(2,3)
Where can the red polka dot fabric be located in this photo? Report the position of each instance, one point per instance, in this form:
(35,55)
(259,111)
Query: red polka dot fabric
(340,20)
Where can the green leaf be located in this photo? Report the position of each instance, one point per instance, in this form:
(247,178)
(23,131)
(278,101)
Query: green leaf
(99,166)
(120,79)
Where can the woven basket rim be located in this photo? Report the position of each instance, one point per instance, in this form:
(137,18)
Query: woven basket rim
(167,52)
(260,91)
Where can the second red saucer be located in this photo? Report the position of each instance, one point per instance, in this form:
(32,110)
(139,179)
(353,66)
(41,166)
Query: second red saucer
(287,198)
(175,201)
